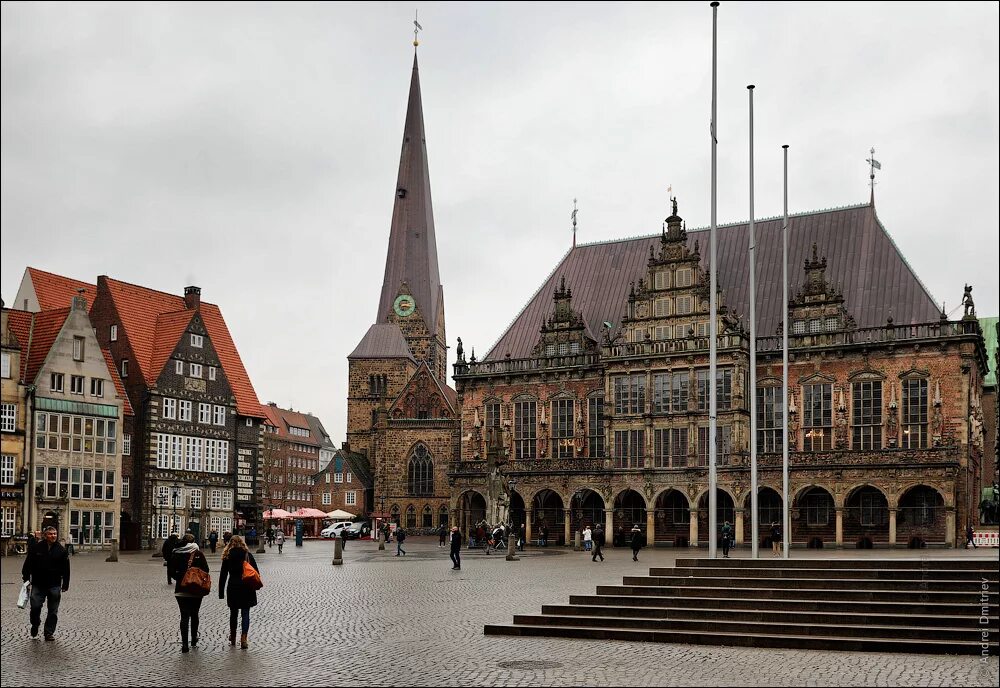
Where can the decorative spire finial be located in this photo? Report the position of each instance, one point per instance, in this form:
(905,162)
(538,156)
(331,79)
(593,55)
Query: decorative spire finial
(874,165)
(573,217)
(416,27)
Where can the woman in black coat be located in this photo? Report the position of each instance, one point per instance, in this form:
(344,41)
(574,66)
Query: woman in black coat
(638,540)
(240,596)
(187,552)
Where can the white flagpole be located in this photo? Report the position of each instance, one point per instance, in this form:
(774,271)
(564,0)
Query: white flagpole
(754,514)
(786,522)
(712,317)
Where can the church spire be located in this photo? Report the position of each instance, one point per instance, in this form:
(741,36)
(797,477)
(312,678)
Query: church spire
(411,264)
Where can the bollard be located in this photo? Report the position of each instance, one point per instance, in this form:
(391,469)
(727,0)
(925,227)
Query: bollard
(114,551)
(512,547)
(381,540)
(338,552)
(576,542)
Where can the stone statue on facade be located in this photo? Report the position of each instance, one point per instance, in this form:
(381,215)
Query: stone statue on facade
(459,351)
(970,307)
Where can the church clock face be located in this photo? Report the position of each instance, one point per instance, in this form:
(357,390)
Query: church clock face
(403,305)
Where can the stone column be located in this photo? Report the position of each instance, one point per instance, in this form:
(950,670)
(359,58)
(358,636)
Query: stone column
(338,551)
(840,526)
(892,528)
(949,528)
(693,529)
(529,515)
(650,528)
(567,519)
(739,527)
(609,522)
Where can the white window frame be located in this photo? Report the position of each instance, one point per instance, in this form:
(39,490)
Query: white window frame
(211,372)
(7,469)
(169,408)
(76,384)
(124,367)
(114,333)
(218,415)
(197,341)
(8,417)
(227,500)
(96,387)
(77,348)
(350,498)
(126,486)
(179,367)
(195,370)
(338,477)
(8,520)
(184,409)
(204,413)
(215,500)
(348,476)
(326,499)
(57,382)
(194,498)
(249,422)
(126,445)
(5,365)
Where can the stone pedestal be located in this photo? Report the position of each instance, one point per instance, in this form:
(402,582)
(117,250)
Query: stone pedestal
(338,552)
(693,529)
(892,527)
(840,526)
(114,551)
(577,545)
(512,546)
(381,539)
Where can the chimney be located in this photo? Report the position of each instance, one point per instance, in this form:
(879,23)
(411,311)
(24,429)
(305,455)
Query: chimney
(79,302)
(192,297)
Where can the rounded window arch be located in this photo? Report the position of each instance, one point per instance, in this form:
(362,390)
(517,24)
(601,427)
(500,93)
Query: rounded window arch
(411,517)
(420,471)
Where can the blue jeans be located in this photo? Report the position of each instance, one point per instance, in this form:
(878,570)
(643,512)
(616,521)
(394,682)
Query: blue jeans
(399,548)
(38,598)
(245,614)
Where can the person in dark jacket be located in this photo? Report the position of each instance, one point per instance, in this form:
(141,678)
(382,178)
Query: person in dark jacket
(442,534)
(727,539)
(213,539)
(169,545)
(521,534)
(188,603)
(240,596)
(400,537)
(46,567)
(456,548)
(598,540)
(637,541)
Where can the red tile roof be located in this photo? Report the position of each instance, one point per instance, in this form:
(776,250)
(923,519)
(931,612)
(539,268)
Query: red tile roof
(283,418)
(152,322)
(20,323)
(119,387)
(43,334)
(55,291)
(864,263)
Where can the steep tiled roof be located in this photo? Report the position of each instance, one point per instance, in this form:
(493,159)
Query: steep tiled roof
(119,387)
(20,323)
(170,327)
(273,418)
(55,291)
(862,261)
(140,309)
(412,254)
(43,335)
(382,340)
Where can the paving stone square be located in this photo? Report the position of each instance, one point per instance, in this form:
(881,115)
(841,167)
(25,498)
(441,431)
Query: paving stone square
(410,620)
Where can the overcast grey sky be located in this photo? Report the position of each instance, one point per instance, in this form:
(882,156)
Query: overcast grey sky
(253,149)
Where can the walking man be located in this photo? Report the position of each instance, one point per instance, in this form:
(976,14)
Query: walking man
(456,548)
(970,536)
(727,534)
(521,534)
(598,540)
(46,567)
(279,537)
(400,537)
(776,539)
(637,542)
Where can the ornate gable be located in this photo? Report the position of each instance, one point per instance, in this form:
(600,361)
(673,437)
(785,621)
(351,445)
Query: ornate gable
(818,306)
(564,332)
(422,398)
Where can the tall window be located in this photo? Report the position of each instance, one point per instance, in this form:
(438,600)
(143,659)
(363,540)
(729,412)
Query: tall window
(661,392)
(724,389)
(723,445)
(670,447)
(914,414)
(184,410)
(629,448)
(595,423)
(817,417)
(56,382)
(770,436)
(679,392)
(562,429)
(8,418)
(630,393)
(866,414)
(76,384)
(524,430)
(427,517)
(493,416)
(5,368)
(420,472)
(7,470)
(96,387)
(77,348)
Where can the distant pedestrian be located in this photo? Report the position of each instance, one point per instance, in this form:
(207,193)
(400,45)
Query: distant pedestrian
(169,545)
(386,532)
(620,537)
(776,539)
(598,550)
(70,549)
(213,539)
(456,548)
(185,555)
(240,595)
(727,534)
(46,567)
(226,537)
(279,538)
(252,536)
(543,536)
(400,537)
(270,536)
(343,539)
(521,535)
(637,542)
(970,536)
(442,534)
(588,539)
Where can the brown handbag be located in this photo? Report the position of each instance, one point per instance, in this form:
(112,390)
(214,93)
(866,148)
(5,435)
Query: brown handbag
(195,581)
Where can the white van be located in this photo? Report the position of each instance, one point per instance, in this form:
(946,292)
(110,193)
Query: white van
(333,530)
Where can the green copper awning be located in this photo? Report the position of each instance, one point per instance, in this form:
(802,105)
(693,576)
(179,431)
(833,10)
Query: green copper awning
(78,407)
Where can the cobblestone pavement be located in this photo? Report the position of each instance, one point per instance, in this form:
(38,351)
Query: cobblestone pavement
(386,620)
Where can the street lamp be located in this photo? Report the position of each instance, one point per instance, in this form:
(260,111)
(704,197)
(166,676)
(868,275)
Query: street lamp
(511,539)
(175,493)
(381,530)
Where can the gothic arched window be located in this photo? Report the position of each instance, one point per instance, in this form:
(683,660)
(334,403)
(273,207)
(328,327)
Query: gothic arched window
(420,472)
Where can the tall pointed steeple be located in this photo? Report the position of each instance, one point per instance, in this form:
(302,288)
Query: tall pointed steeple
(412,256)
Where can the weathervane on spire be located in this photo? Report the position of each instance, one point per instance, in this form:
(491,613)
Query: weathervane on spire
(875,165)
(416,27)
(573,217)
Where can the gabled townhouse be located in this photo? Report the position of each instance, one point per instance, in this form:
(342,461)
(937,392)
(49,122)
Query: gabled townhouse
(75,415)
(293,442)
(197,428)
(345,483)
(13,473)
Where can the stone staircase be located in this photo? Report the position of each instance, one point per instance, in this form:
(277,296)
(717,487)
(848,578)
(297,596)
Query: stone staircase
(868,605)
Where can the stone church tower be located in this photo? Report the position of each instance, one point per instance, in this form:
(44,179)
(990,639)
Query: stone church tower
(400,411)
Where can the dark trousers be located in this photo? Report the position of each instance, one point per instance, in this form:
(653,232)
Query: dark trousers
(456,558)
(399,548)
(635,554)
(233,613)
(40,596)
(597,551)
(725,546)
(189,607)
